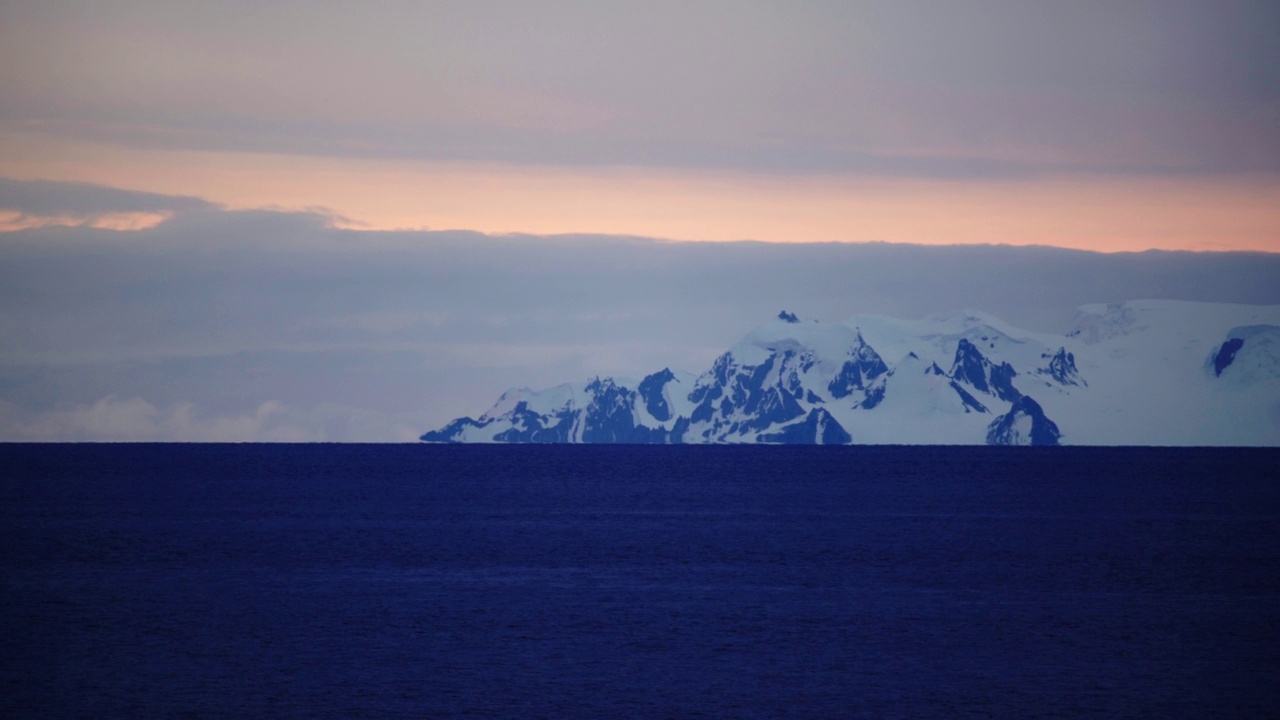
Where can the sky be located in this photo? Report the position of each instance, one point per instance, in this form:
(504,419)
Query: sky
(355,221)
(1091,124)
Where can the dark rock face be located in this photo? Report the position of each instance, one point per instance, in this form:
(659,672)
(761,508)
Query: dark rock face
(1002,382)
(1226,355)
(530,427)
(610,416)
(846,381)
(874,396)
(863,366)
(788,317)
(453,431)
(1012,427)
(706,393)
(818,428)
(770,406)
(1062,368)
(971,403)
(970,366)
(745,399)
(650,390)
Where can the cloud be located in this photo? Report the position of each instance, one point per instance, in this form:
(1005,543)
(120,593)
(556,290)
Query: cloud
(32,204)
(44,197)
(923,88)
(136,420)
(111,419)
(261,325)
(26,204)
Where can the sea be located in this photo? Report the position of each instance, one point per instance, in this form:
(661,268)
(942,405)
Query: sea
(428,581)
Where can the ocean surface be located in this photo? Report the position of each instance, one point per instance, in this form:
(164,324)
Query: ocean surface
(339,581)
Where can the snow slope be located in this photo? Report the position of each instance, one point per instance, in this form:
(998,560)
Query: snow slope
(1149,372)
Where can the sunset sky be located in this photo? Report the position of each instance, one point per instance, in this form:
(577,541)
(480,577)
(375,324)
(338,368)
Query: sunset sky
(321,221)
(1091,125)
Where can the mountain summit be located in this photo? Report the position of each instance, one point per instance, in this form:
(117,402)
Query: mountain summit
(1138,373)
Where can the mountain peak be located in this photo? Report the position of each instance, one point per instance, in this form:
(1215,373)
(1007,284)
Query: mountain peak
(1158,373)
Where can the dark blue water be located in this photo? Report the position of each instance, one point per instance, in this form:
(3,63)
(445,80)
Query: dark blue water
(427,581)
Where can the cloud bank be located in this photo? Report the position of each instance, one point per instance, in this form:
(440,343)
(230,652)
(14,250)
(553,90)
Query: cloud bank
(278,326)
(38,203)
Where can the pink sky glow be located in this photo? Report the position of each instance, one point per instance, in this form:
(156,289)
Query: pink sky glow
(1100,126)
(1106,214)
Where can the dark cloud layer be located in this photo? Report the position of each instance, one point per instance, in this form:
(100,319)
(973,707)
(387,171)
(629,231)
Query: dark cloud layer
(47,198)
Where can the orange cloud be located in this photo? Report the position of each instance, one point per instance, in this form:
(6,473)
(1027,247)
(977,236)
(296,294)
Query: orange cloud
(11,221)
(1106,214)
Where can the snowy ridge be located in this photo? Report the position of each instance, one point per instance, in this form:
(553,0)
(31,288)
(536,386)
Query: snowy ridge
(1149,372)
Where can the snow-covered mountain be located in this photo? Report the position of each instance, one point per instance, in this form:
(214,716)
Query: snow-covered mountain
(1150,372)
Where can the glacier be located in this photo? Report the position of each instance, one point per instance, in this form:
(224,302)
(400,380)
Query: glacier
(1145,372)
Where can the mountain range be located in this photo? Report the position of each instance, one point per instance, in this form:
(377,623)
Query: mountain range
(1149,372)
